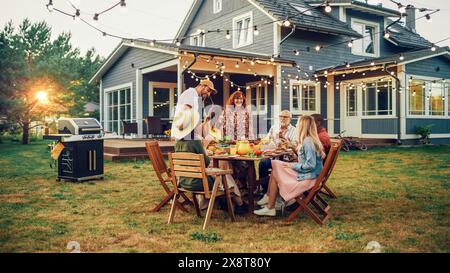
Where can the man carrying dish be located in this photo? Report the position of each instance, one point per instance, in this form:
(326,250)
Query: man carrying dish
(283,135)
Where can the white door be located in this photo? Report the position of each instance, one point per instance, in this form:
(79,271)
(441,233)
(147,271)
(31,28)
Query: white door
(352,102)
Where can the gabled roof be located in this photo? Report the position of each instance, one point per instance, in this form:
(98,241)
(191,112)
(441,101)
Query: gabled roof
(359,5)
(402,36)
(408,57)
(318,21)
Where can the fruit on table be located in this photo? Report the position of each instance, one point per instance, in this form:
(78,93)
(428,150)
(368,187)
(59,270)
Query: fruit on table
(258,152)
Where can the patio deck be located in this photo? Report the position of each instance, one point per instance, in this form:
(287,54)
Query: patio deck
(130,149)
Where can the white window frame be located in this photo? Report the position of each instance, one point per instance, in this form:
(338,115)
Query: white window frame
(216,8)
(118,88)
(391,101)
(198,36)
(291,104)
(256,111)
(235,31)
(171,86)
(427,104)
(376,41)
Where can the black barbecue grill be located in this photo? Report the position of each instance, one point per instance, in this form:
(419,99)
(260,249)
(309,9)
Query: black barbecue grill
(82,156)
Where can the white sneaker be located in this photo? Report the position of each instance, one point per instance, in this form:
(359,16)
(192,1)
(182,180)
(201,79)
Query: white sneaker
(265,211)
(264,200)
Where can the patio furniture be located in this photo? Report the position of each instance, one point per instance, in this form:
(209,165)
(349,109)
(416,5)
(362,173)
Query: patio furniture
(128,128)
(163,174)
(251,172)
(153,126)
(325,189)
(310,197)
(192,165)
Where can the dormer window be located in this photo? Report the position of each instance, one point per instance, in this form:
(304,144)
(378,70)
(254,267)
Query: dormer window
(217,6)
(243,30)
(369,45)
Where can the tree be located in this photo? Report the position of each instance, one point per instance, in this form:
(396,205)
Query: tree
(40,77)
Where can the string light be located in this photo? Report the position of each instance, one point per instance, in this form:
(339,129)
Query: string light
(152,43)
(401,58)
(228,36)
(286,23)
(428,17)
(318,47)
(386,34)
(327,7)
(255,30)
(433,48)
(350,44)
(177,42)
(50,5)
(296,52)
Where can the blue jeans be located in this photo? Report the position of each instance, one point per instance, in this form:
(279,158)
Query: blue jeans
(264,166)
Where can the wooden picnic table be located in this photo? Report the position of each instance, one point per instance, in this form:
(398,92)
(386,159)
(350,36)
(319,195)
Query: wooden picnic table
(251,172)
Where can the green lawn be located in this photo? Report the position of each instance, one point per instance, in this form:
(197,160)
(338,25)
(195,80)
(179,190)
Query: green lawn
(398,197)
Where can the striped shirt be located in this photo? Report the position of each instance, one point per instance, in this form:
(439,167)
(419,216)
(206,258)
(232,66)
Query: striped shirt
(274,133)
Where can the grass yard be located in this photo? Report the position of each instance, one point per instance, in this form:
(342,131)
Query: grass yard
(398,197)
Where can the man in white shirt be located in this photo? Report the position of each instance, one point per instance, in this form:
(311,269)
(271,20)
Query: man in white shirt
(192,98)
(284,133)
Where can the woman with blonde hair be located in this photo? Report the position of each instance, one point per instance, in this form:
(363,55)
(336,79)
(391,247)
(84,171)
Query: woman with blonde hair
(292,179)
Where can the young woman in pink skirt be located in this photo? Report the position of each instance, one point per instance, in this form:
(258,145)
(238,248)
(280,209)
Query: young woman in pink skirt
(292,179)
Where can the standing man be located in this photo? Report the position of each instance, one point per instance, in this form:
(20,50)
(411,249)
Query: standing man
(284,133)
(191,100)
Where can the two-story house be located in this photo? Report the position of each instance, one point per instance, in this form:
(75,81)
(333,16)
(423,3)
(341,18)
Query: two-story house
(363,70)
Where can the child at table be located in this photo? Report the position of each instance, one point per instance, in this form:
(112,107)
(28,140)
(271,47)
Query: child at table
(292,179)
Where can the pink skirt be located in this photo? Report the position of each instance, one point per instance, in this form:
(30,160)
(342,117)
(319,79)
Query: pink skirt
(288,184)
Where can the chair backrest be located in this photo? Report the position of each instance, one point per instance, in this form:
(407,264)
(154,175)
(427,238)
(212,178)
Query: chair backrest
(153,125)
(189,165)
(129,127)
(326,171)
(337,142)
(159,165)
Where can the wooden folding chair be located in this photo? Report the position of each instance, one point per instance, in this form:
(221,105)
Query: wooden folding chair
(192,165)
(163,174)
(325,189)
(311,197)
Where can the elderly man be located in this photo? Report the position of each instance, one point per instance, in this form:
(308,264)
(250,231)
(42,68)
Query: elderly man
(284,133)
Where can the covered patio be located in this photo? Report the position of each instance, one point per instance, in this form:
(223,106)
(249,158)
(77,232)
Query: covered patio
(155,88)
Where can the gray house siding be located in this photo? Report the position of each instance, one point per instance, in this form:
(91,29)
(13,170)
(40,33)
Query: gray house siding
(207,20)
(123,71)
(440,126)
(438,67)
(379,126)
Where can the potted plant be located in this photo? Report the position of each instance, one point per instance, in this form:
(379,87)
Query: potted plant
(424,133)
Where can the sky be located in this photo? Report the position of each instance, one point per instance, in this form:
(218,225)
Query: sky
(156,19)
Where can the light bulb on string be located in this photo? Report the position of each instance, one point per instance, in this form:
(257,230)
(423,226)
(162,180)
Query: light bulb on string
(177,42)
(327,7)
(401,58)
(286,23)
(227,36)
(255,30)
(433,48)
(350,44)
(123,6)
(50,6)
(386,34)
(318,47)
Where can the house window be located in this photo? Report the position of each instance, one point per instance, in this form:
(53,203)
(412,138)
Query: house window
(416,96)
(377,99)
(352,102)
(197,39)
(257,97)
(367,46)
(162,99)
(436,97)
(243,30)
(303,98)
(118,108)
(217,6)
(427,98)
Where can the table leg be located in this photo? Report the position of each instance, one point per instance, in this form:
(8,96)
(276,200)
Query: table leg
(251,181)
